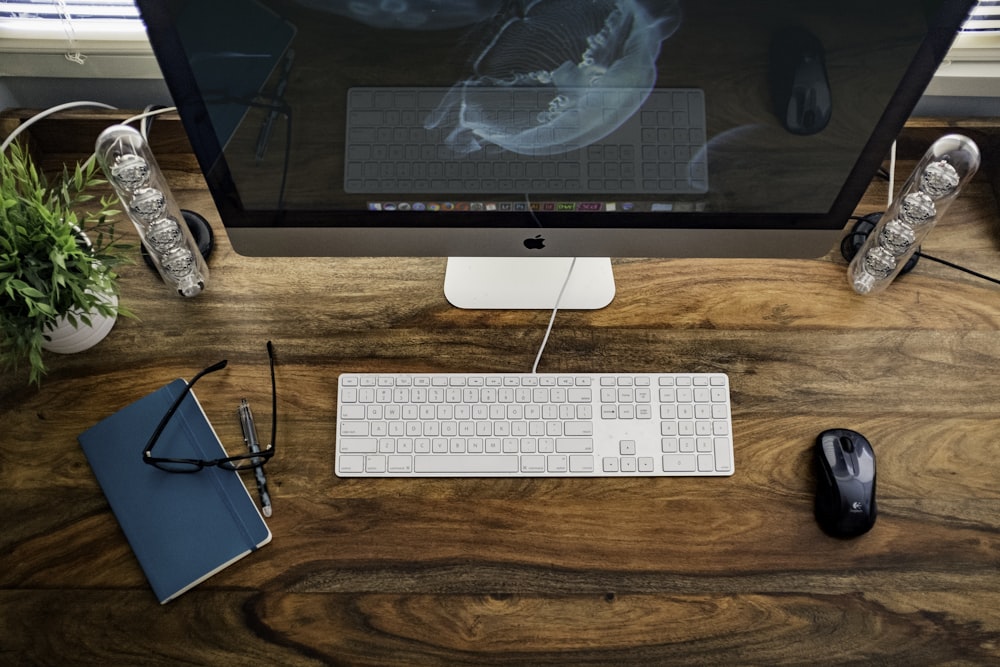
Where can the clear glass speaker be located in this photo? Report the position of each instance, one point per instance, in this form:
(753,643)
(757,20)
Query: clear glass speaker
(129,165)
(925,197)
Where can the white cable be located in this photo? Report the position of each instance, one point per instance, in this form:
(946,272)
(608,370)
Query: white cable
(143,125)
(48,112)
(70,105)
(148,113)
(552,319)
(892,173)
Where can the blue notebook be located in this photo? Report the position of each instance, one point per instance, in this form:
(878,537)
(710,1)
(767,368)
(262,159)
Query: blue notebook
(183,528)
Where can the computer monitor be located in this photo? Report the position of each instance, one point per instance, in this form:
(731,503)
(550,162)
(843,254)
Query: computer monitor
(534,131)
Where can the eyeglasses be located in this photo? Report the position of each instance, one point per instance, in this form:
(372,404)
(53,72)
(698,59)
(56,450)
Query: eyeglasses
(240,462)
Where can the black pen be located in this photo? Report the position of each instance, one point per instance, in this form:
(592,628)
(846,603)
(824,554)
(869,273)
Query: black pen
(253,444)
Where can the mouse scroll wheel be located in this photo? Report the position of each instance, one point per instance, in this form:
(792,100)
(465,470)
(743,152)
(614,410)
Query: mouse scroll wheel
(847,444)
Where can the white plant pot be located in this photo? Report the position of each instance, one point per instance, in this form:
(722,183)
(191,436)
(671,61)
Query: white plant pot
(64,338)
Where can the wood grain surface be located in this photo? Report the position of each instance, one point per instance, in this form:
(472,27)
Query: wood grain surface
(535,571)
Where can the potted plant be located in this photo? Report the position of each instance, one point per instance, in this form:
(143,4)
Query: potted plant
(58,256)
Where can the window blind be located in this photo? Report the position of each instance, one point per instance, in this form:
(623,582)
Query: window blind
(985,17)
(971,69)
(979,39)
(77,9)
(74,27)
(984,20)
(77,28)
(111,19)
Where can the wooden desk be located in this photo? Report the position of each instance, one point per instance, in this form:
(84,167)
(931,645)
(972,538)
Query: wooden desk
(472,571)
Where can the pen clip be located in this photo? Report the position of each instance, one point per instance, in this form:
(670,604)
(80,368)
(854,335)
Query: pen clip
(247,425)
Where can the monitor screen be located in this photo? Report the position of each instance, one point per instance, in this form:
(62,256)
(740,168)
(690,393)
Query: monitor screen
(544,128)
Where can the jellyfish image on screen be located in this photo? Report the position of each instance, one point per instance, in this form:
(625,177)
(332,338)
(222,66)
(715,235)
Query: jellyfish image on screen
(410,14)
(561,61)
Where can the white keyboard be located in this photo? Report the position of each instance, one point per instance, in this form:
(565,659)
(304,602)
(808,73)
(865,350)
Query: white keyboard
(534,425)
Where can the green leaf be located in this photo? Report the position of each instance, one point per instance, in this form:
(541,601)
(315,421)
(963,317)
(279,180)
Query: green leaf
(46,309)
(43,270)
(78,178)
(58,258)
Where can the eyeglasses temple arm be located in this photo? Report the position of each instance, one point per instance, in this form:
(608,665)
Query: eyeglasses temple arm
(176,404)
(274,395)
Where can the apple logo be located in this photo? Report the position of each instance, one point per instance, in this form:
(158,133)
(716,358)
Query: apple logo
(536,243)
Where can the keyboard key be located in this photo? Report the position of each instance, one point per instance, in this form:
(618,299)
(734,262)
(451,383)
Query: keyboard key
(466,464)
(533,463)
(679,463)
(557,462)
(358,445)
(354,428)
(351,464)
(570,445)
(400,464)
(723,461)
(578,428)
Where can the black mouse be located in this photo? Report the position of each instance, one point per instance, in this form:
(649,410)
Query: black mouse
(800,89)
(845,483)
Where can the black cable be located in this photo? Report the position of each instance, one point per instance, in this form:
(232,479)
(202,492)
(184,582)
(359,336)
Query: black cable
(952,265)
(856,238)
(851,245)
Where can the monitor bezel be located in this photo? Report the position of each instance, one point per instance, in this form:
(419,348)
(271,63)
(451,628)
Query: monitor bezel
(425,233)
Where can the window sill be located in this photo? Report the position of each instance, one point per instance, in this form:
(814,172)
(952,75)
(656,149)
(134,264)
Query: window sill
(96,65)
(966,79)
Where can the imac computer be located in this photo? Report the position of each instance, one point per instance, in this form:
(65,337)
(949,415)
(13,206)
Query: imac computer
(512,136)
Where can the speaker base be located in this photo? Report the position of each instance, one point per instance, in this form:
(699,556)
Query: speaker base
(862,229)
(202,232)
